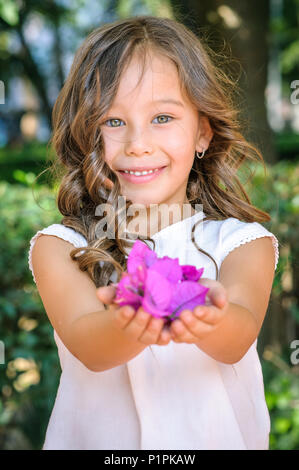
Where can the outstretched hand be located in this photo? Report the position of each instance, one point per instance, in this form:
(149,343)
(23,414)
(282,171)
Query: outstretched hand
(138,325)
(192,326)
(189,327)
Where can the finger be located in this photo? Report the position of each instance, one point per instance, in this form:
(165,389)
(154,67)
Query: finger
(217,294)
(181,334)
(151,333)
(106,294)
(208,314)
(164,337)
(122,316)
(138,323)
(195,326)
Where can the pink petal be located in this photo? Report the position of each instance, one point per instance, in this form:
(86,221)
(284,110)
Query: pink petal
(157,294)
(136,267)
(140,275)
(139,249)
(150,258)
(187,295)
(126,292)
(140,255)
(191,273)
(168,268)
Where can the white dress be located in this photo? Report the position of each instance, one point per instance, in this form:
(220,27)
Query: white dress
(167,397)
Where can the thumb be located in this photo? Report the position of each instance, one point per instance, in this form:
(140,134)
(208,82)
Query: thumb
(106,294)
(218,296)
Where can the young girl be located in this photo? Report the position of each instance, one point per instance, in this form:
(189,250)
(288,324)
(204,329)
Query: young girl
(143,94)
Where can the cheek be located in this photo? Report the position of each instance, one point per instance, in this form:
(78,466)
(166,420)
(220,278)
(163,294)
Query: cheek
(181,157)
(110,149)
(179,143)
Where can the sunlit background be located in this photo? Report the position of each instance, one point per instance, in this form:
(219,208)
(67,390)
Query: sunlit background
(256,41)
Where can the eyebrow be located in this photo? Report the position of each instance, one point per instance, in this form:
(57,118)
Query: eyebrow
(164,100)
(169,100)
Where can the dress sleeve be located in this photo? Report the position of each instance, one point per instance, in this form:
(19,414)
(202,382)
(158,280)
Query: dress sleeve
(58,230)
(234,233)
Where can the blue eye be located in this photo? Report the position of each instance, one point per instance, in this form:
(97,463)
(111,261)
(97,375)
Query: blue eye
(112,121)
(163,116)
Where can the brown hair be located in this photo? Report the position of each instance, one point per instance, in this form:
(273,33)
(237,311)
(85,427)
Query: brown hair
(87,95)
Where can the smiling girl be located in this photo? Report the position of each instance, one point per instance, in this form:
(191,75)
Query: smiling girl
(145,114)
(153,126)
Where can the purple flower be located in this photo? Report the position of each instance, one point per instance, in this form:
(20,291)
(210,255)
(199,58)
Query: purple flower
(142,255)
(190,273)
(160,285)
(169,268)
(128,291)
(157,294)
(187,295)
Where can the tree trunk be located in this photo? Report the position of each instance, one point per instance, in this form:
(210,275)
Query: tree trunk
(248,40)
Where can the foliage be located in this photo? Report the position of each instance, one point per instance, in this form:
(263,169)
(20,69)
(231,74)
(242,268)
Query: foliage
(33,157)
(285,31)
(287,144)
(281,392)
(277,192)
(29,376)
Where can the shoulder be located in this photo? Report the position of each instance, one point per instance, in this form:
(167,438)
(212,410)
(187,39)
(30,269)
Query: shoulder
(62,232)
(51,240)
(249,259)
(229,234)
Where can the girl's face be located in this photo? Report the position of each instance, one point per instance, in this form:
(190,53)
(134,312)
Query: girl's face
(153,125)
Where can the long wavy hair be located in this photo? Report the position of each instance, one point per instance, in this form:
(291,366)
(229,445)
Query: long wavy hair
(86,96)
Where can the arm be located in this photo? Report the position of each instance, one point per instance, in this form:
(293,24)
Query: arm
(232,337)
(99,344)
(227,328)
(101,339)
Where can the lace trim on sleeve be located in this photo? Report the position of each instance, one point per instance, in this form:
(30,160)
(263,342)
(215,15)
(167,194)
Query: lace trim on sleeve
(253,236)
(59,230)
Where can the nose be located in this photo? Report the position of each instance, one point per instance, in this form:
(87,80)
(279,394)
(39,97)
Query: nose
(138,143)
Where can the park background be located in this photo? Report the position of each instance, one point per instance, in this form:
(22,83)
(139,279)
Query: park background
(257,43)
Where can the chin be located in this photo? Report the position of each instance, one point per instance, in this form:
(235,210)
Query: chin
(143,200)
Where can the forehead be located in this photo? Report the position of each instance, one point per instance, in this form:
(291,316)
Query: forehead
(151,76)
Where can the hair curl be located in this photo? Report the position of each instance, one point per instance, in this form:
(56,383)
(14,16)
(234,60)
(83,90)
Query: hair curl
(86,96)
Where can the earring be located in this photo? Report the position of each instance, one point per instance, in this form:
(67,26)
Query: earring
(200,156)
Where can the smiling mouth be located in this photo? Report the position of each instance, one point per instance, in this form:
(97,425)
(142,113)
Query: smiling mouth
(141,176)
(141,172)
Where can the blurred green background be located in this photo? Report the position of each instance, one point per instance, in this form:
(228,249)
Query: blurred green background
(37,44)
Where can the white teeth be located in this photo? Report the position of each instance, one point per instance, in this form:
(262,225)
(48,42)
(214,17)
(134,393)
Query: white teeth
(141,173)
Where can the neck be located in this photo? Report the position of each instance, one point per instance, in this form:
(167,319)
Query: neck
(151,220)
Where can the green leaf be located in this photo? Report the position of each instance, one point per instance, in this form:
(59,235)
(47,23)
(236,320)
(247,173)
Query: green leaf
(282,425)
(9,12)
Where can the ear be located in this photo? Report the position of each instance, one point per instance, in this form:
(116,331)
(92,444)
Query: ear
(205,134)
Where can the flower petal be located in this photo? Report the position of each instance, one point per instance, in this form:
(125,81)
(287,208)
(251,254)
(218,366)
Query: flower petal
(127,292)
(187,295)
(157,295)
(150,258)
(191,273)
(140,255)
(168,268)
(139,249)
